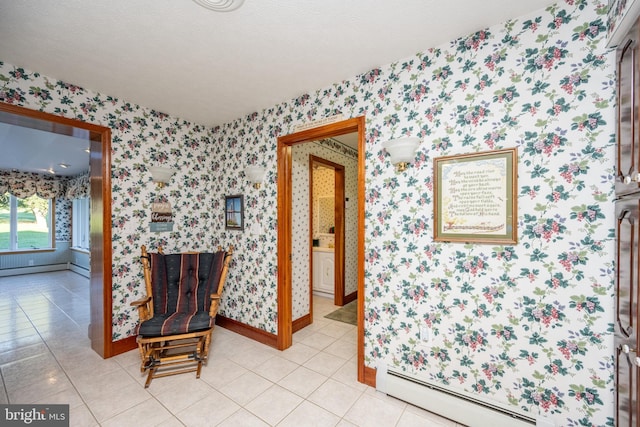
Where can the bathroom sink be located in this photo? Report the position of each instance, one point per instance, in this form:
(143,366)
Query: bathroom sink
(322,249)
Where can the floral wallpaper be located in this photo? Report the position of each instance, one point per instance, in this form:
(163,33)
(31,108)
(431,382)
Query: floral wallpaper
(141,137)
(78,187)
(63,220)
(527,325)
(323,186)
(530,324)
(250,292)
(619,11)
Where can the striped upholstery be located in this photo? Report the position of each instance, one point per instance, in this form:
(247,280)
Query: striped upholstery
(181,286)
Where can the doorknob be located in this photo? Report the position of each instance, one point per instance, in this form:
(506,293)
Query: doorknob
(633,176)
(626,349)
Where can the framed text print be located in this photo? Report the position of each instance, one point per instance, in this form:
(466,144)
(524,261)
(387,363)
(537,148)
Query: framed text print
(476,197)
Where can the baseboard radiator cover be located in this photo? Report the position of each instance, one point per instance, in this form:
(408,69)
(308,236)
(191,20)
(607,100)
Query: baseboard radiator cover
(458,406)
(29,270)
(80,270)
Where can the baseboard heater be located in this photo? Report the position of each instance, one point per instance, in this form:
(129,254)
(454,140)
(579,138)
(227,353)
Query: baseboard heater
(458,406)
(79,270)
(29,270)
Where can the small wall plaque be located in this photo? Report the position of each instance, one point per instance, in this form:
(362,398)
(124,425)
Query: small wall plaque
(159,227)
(317,123)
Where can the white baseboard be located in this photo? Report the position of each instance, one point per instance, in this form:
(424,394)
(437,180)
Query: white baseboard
(80,270)
(323,294)
(35,269)
(446,401)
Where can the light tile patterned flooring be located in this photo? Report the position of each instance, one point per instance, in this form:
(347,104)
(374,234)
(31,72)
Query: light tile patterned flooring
(45,357)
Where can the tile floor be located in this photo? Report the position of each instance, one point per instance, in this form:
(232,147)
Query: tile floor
(45,357)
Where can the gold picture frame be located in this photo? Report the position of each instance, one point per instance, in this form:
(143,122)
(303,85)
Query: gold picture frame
(476,197)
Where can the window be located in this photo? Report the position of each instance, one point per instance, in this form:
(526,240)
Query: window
(25,224)
(80,223)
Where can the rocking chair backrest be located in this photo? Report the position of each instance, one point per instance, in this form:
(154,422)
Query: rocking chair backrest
(184,282)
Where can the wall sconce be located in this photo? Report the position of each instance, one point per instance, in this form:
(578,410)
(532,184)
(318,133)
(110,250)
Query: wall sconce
(161,175)
(220,5)
(255,174)
(402,151)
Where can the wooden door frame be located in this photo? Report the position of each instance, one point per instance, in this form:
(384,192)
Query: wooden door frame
(100,303)
(339,237)
(284,337)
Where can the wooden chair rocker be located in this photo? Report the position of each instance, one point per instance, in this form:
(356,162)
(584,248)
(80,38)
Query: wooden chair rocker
(178,315)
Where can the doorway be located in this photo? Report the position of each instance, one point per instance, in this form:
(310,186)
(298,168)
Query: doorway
(100,328)
(326,218)
(284,149)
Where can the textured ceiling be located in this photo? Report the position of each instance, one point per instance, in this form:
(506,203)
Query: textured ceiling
(31,150)
(211,68)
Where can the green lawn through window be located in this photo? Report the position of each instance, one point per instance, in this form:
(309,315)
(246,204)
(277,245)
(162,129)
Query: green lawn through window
(30,234)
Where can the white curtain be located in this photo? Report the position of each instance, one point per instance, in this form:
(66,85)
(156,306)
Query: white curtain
(78,187)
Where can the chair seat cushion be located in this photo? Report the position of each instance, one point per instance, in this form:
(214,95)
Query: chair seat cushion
(175,323)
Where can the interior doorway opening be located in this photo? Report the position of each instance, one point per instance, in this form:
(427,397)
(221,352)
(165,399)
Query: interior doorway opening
(327,229)
(285,255)
(100,328)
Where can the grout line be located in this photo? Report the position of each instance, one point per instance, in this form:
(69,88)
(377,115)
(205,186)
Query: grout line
(40,293)
(4,386)
(53,355)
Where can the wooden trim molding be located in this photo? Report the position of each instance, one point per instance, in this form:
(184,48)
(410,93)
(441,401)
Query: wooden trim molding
(100,294)
(301,322)
(101,244)
(370,376)
(351,297)
(361,206)
(285,143)
(123,345)
(247,331)
(285,327)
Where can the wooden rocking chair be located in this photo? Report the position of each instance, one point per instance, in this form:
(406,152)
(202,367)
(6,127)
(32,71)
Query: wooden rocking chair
(178,315)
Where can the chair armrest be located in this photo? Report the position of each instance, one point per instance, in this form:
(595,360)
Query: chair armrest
(140,302)
(215,303)
(144,308)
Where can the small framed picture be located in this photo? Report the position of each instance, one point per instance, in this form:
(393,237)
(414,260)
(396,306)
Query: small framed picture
(234,212)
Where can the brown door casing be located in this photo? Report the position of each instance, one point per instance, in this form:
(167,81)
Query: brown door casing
(284,338)
(100,225)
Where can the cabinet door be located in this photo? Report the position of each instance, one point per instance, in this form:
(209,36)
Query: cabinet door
(627,268)
(626,388)
(626,320)
(628,155)
(323,272)
(328,271)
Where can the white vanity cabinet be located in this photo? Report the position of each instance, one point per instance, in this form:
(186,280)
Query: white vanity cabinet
(323,271)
